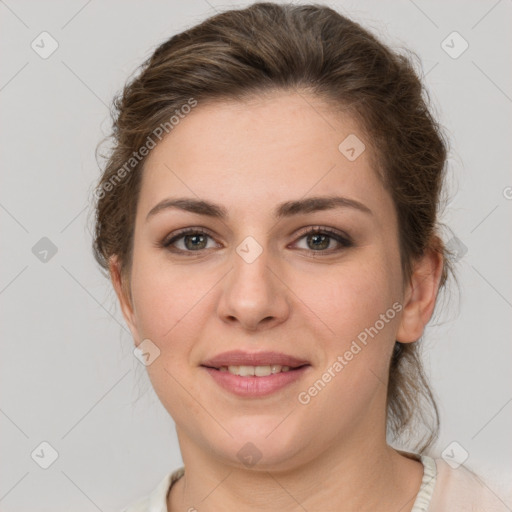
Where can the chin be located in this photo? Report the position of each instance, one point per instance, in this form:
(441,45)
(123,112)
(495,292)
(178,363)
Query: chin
(258,445)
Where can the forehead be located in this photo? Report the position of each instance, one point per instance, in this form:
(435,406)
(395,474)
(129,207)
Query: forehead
(254,153)
(273,126)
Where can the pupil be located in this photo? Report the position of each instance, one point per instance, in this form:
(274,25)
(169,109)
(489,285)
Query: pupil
(194,237)
(324,245)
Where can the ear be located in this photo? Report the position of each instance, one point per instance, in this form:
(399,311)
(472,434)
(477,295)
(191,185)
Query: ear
(122,290)
(420,295)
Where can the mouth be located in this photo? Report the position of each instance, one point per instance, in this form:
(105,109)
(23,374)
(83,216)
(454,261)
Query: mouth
(254,375)
(255,371)
(261,360)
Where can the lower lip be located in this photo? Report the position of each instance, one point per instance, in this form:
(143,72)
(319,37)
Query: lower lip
(253,387)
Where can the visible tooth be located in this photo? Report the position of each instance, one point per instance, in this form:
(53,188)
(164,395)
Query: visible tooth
(262,371)
(275,368)
(246,371)
(258,371)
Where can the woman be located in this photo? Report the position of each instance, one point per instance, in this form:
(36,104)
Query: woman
(268,217)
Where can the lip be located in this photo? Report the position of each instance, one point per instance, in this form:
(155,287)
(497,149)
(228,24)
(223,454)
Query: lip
(242,358)
(255,387)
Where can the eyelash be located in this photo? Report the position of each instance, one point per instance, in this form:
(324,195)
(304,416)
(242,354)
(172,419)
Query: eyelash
(344,241)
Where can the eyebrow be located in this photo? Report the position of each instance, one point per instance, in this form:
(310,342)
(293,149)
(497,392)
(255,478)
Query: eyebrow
(286,209)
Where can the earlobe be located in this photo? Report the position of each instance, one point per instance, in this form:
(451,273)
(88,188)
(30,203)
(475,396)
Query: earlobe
(421,294)
(122,292)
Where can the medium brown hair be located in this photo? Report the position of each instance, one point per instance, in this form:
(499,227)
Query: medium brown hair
(311,48)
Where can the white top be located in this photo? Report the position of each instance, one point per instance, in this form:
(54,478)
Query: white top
(443,489)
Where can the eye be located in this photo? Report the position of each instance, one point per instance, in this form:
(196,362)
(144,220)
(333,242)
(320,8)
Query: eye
(190,239)
(318,240)
(321,239)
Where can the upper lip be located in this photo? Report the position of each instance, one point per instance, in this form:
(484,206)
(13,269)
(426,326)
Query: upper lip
(241,358)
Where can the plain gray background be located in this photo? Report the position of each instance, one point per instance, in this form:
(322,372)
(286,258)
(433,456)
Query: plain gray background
(68,374)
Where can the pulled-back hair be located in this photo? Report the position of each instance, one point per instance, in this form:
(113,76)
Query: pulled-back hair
(298,48)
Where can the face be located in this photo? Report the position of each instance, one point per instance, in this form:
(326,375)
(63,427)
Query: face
(320,282)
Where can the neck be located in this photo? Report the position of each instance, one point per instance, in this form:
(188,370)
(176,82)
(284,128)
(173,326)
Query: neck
(345,477)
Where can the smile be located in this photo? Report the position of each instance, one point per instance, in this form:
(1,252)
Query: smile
(257,371)
(255,381)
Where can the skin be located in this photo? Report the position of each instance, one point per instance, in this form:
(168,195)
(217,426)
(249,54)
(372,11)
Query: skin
(249,156)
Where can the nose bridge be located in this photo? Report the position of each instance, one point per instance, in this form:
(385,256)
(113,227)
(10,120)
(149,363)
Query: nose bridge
(251,293)
(250,275)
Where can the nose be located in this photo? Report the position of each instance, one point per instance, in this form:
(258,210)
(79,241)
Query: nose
(254,295)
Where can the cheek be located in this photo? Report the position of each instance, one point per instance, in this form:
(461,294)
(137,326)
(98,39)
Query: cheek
(358,303)
(169,303)
(361,312)
(165,296)
(349,299)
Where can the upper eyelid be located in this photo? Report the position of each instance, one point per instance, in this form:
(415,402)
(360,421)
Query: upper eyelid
(316,227)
